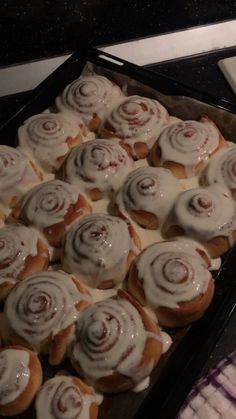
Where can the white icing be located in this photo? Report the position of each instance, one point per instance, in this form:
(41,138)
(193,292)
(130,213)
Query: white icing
(170,275)
(14,374)
(43,305)
(100,295)
(188,143)
(101,164)
(47,204)
(7,281)
(16,174)
(143,385)
(221,169)
(97,246)
(44,136)
(17,242)
(61,398)
(99,397)
(89,96)
(108,331)
(151,189)
(166,342)
(199,212)
(137,119)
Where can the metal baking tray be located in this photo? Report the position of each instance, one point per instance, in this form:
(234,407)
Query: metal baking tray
(176,372)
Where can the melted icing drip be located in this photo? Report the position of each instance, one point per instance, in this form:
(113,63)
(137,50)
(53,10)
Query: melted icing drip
(166,341)
(143,385)
(101,164)
(14,374)
(43,305)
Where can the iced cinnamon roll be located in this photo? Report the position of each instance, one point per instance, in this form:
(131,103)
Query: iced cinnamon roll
(173,280)
(97,167)
(221,170)
(41,312)
(186,146)
(66,397)
(207,215)
(89,97)
(18,174)
(48,138)
(20,379)
(99,249)
(51,207)
(117,345)
(2,218)
(136,121)
(147,195)
(22,252)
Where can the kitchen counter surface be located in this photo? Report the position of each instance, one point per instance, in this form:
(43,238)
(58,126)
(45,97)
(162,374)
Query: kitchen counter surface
(42,28)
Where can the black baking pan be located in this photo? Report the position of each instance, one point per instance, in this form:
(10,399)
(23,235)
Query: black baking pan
(174,376)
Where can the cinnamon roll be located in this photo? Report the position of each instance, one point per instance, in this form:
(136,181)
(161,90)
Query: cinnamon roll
(99,249)
(18,174)
(197,213)
(97,167)
(20,379)
(22,253)
(117,345)
(52,207)
(41,312)
(2,218)
(136,121)
(221,170)
(66,397)
(184,147)
(48,137)
(148,194)
(174,281)
(89,97)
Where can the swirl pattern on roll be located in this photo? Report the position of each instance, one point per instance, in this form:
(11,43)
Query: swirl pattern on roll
(137,119)
(47,204)
(199,212)
(150,189)
(101,164)
(189,143)
(89,96)
(14,374)
(171,275)
(112,338)
(16,174)
(43,305)
(97,246)
(46,135)
(17,242)
(221,169)
(61,398)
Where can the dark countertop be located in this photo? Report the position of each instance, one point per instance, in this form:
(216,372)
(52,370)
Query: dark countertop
(42,28)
